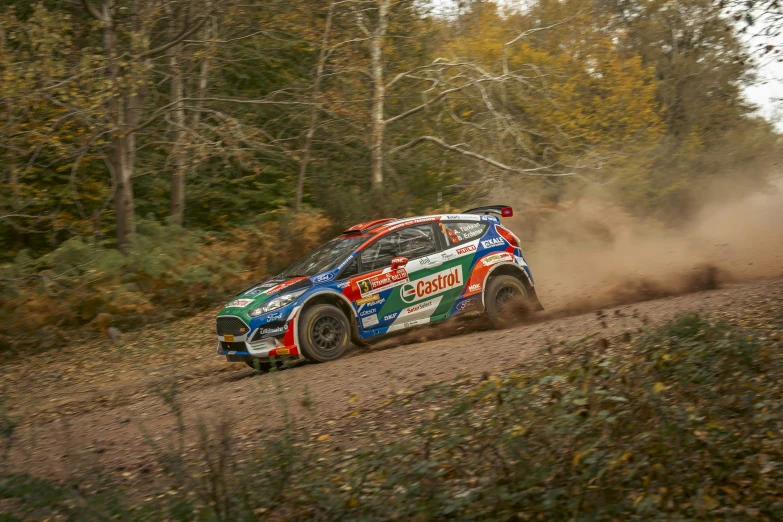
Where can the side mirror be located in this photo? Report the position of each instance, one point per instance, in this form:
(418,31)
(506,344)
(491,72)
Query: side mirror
(399,262)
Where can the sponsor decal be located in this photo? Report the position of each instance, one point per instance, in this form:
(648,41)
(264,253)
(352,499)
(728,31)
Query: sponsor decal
(408,324)
(259,289)
(387,318)
(468,304)
(470,226)
(375,303)
(369,321)
(419,307)
(520,261)
(494,242)
(423,261)
(413,222)
(448,255)
(369,311)
(273,331)
(228,338)
(239,303)
(494,219)
(474,288)
(281,286)
(453,217)
(277,316)
(323,278)
(344,263)
(497,258)
(377,283)
(341,286)
(431,285)
(466,249)
(369,299)
(283,351)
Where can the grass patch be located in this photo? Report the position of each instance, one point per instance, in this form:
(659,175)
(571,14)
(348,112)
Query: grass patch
(684,422)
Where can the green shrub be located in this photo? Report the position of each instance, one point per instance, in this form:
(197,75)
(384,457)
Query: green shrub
(167,272)
(682,423)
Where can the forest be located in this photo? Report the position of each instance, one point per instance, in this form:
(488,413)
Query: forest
(157,155)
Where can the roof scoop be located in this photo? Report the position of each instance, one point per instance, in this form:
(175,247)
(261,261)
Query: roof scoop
(500,210)
(361,228)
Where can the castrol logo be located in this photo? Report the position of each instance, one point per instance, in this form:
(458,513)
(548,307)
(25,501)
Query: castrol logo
(431,285)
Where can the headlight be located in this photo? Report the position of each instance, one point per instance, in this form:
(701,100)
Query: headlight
(277,302)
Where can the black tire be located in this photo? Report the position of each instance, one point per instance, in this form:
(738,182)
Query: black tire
(506,300)
(263,366)
(324,333)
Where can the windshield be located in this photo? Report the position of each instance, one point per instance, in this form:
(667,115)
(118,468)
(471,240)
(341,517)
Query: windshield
(324,258)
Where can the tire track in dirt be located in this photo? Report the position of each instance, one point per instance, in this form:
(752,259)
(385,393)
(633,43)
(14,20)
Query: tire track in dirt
(118,434)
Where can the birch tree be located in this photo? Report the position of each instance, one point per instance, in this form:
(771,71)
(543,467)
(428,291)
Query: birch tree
(323,55)
(439,86)
(128,30)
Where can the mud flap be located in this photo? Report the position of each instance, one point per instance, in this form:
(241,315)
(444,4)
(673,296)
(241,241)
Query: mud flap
(536,304)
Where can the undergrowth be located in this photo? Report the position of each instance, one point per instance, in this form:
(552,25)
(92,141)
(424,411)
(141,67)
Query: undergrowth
(167,272)
(684,422)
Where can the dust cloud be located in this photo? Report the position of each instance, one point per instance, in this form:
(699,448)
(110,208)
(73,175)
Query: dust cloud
(590,253)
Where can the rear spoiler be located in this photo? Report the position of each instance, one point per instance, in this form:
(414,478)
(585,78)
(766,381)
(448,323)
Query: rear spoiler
(500,210)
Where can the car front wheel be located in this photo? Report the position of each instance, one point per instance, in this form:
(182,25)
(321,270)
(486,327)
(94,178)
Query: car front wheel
(324,333)
(505,300)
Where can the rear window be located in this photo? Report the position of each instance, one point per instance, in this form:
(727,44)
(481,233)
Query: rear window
(458,232)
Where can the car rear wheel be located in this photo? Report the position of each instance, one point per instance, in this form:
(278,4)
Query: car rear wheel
(505,300)
(324,333)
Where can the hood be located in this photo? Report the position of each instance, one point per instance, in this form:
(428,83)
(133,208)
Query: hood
(258,294)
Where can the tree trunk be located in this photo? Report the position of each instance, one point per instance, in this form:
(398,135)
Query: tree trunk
(122,157)
(189,165)
(203,72)
(314,111)
(178,118)
(378,98)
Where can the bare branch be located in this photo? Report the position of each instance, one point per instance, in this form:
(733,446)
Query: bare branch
(436,99)
(92,10)
(528,33)
(502,166)
(187,31)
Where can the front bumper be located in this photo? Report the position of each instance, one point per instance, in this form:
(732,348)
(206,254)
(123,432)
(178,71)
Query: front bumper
(244,349)
(247,345)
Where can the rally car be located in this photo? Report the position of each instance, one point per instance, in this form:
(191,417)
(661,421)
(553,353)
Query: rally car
(377,278)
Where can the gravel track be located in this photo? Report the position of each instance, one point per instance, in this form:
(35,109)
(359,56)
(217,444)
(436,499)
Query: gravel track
(98,404)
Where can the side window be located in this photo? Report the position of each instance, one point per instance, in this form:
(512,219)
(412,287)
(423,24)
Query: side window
(410,242)
(458,232)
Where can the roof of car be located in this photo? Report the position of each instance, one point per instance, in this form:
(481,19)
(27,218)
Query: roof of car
(388,224)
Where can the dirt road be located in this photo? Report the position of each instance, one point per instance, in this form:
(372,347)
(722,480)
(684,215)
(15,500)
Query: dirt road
(97,404)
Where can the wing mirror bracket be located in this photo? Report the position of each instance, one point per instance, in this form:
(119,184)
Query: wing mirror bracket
(399,262)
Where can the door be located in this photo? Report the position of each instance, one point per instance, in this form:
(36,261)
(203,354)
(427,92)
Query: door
(389,299)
